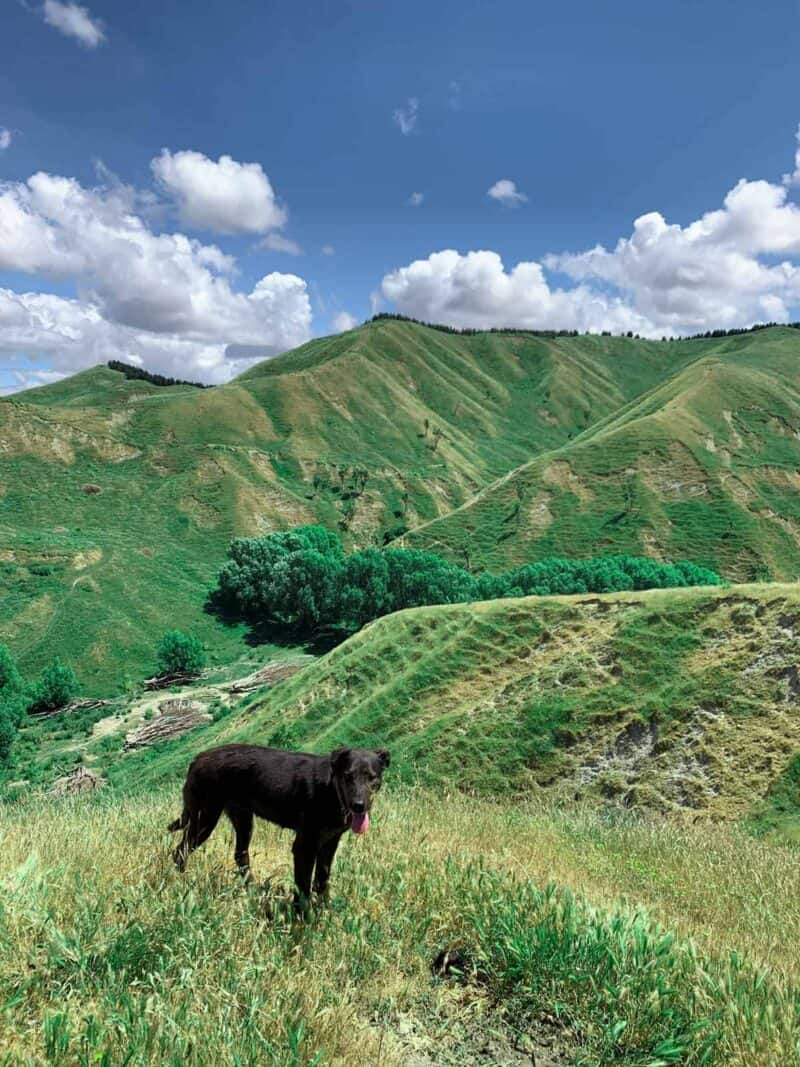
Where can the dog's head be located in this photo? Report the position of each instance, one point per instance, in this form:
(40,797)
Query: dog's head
(358,773)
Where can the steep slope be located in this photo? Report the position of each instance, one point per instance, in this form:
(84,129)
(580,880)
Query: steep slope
(703,466)
(118,498)
(683,701)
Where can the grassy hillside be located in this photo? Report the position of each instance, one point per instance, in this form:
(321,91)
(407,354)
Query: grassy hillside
(118,498)
(703,466)
(677,701)
(573,940)
(580,934)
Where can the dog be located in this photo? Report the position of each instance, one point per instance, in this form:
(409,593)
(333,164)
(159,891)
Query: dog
(319,797)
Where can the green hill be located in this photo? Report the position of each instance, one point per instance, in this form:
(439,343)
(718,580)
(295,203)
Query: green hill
(681,701)
(118,498)
(703,466)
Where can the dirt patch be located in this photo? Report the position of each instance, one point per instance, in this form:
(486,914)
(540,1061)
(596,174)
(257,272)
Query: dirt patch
(560,473)
(82,560)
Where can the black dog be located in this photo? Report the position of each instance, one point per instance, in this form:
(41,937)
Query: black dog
(320,797)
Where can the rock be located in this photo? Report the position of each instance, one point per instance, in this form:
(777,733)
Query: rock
(91,489)
(81,780)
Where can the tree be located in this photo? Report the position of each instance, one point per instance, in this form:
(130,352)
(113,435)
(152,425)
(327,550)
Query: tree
(180,653)
(56,687)
(12,705)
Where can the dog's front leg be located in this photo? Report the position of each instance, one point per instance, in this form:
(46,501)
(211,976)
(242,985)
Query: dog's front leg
(304,850)
(327,851)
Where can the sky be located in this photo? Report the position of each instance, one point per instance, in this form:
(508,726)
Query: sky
(194,186)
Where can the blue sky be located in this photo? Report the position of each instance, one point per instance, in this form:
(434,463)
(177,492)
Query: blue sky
(589,116)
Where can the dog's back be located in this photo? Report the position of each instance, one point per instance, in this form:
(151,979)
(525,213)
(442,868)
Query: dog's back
(287,788)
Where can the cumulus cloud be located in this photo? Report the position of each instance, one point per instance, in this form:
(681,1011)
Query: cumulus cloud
(406,117)
(344,321)
(5,138)
(475,290)
(730,267)
(734,266)
(416,199)
(161,298)
(221,197)
(74,21)
(505,192)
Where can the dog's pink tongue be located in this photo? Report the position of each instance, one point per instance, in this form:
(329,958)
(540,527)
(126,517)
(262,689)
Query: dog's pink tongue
(359,823)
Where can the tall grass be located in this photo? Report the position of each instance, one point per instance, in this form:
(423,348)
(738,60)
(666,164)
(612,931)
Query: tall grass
(108,956)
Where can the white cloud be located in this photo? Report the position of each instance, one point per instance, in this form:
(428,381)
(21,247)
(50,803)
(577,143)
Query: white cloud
(162,295)
(475,290)
(505,192)
(406,117)
(276,242)
(732,267)
(344,321)
(416,199)
(454,96)
(5,137)
(719,271)
(222,197)
(328,250)
(74,21)
(375,301)
(794,177)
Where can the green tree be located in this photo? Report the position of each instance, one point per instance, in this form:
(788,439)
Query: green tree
(180,653)
(56,687)
(12,705)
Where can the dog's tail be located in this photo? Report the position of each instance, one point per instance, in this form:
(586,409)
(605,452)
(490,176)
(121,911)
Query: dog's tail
(179,824)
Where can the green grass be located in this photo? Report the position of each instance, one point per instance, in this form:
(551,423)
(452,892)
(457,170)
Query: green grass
(673,701)
(702,466)
(434,419)
(611,943)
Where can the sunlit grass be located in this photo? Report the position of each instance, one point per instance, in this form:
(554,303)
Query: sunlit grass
(107,955)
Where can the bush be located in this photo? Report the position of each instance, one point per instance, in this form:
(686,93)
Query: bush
(303,579)
(179,653)
(56,687)
(12,706)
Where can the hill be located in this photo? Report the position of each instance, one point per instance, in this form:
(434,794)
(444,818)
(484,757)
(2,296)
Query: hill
(118,497)
(703,466)
(637,698)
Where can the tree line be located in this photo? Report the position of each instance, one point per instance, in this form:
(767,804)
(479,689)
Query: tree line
(470,331)
(304,580)
(139,374)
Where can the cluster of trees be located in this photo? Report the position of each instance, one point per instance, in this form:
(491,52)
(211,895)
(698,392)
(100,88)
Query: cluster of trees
(303,579)
(55,687)
(470,331)
(140,375)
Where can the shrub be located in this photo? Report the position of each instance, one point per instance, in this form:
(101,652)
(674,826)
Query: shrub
(302,578)
(56,687)
(179,653)
(12,706)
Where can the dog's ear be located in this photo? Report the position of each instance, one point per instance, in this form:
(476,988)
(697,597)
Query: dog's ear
(340,757)
(384,757)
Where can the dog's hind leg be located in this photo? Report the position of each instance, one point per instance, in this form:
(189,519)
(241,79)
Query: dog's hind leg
(242,821)
(199,828)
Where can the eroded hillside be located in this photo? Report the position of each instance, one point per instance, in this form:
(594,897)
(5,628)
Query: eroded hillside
(679,701)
